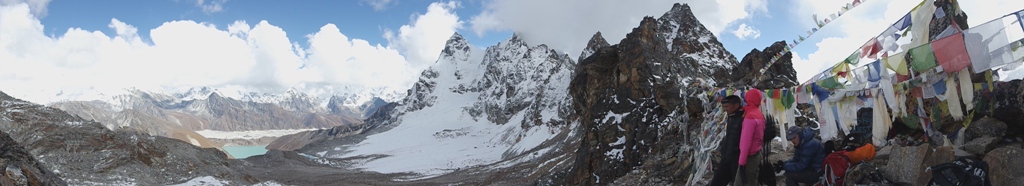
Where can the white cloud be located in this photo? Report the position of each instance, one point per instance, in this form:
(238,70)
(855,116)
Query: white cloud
(746,32)
(211,6)
(378,4)
(38,7)
(423,40)
(184,54)
(568,25)
(867,21)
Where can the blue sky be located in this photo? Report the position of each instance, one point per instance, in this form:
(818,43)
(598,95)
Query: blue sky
(62,46)
(357,19)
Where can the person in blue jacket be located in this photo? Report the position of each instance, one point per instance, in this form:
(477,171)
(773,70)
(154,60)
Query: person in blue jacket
(805,165)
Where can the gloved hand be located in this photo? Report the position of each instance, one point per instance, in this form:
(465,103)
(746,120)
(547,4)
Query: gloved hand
(778,165)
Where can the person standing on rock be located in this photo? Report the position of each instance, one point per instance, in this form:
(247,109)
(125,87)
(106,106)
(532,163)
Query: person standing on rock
(806,162)
(730,145)
(751,137)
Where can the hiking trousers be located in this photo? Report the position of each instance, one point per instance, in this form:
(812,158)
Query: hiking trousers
(752,168)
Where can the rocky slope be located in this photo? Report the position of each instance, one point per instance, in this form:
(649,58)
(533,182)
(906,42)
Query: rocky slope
(84,152)
(21,168)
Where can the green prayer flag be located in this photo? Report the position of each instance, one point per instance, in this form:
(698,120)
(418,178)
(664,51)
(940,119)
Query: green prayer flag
(853,59)
(911,121)
(831,83)
(923,58)
(788,99)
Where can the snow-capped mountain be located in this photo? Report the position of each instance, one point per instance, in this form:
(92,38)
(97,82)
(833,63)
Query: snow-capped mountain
(622,105)
(206,108)
(488,106)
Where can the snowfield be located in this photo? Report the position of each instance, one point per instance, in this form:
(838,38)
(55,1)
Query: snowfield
(431,137)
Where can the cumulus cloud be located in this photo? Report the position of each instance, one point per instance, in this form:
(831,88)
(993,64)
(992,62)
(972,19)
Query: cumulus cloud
(866,22)
(85,65)
(423,39)
(568,25)
(746,32)
(378,4)
(211,6)
(38,7)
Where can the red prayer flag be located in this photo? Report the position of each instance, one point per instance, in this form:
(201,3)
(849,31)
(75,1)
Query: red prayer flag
(870,49)
(951,53)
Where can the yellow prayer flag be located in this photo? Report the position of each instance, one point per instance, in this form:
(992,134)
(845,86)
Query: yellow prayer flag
(897,62)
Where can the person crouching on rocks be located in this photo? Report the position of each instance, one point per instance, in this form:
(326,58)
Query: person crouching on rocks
(730,145)
(807,159)
(751,137)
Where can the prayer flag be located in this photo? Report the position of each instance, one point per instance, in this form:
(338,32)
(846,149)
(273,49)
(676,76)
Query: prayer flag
(922,58)
(833,16)
(951,53)
(870,49)
(985,46)
(1020,19)
(897,62)
(875,71)
(903,23)
(939,13)
(853,59)
(831,83)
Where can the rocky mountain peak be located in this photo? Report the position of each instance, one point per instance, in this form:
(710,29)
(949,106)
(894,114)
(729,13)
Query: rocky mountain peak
(455,45)
(779,75)
(596,43)
(630,95)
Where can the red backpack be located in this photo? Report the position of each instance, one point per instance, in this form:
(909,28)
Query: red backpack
(834,168)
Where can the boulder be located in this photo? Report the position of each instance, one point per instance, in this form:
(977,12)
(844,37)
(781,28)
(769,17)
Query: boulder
(985,127)
(907,170)
(1006,167)
(883,154)
(980,146)
(940,155)
(867,173)
(961,153)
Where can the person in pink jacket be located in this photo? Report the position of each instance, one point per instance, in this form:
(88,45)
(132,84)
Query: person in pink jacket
(751,137)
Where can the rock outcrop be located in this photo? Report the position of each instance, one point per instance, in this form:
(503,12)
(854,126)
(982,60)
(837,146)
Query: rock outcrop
(636,99)
(779,75)
(21,168)
(597,42)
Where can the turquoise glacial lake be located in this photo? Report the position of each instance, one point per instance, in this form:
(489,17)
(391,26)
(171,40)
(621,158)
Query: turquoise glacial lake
(240,152)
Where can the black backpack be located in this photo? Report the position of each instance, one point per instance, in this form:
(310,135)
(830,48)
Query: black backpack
(963,171)
(766,175)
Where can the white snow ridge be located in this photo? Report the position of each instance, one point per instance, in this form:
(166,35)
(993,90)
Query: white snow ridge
(497,104)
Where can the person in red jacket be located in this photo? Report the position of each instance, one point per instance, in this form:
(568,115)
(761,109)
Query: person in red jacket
(751,137)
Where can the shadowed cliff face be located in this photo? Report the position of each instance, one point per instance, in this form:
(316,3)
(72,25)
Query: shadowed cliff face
(632,97)
(779,75)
